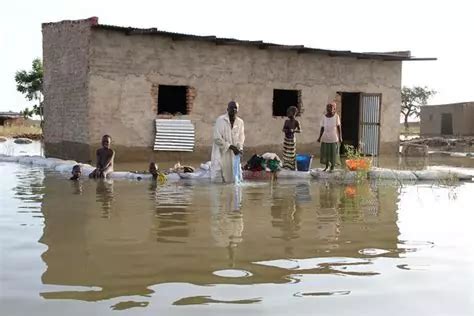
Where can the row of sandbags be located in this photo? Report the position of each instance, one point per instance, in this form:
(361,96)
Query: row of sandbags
(419,175)
(392,174)
(65,166)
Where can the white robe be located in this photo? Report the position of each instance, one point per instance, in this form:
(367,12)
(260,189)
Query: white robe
(222,157)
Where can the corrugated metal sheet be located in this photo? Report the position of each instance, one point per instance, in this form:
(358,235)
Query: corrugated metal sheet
(174,135)
(370,124)
(388,56)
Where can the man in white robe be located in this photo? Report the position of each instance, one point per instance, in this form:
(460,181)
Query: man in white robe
(228,140)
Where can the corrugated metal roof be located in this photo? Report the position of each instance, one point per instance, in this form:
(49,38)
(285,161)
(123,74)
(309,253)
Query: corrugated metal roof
(387,56)
(10,114)
(174,135)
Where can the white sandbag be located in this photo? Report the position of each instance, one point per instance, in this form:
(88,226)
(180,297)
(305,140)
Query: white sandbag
(381,173)
(389,174)
(433,175)
(51,162)
(142,176)
(119,175)
(7,158)
(138,176)
(458,155)
(461,172)
(315,173)
(206,166)
(86,169)
(335,175)
(27,160)
(462,176)
(197,175)
(405,175)
(65,166)
(291,174)
(172,177)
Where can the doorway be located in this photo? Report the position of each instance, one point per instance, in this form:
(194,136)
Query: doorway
(360,121)
(350,111)
(446,124)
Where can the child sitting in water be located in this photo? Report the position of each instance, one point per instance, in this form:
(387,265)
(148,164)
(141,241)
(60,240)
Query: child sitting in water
(153,170)
(76,172)
(105,159)
(290,127)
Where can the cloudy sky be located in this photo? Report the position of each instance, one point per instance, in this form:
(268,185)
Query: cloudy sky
(442,29)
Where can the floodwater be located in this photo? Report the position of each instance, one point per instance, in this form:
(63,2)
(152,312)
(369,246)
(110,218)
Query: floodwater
(8,147)
(184,248)
(300,248)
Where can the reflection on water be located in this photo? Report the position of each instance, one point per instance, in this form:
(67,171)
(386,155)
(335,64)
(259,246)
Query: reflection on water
(139,239)
(104,196)
(171,214)
(10,148)
(162,248)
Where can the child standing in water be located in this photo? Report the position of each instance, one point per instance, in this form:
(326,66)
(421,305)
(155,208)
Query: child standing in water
(105,159)
(290,127)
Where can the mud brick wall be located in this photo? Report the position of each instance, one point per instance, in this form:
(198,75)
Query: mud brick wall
(66,47)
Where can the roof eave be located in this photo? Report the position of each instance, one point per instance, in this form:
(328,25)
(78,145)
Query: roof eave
(300,49)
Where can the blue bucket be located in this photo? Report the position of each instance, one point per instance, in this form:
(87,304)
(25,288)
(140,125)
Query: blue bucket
(303,162)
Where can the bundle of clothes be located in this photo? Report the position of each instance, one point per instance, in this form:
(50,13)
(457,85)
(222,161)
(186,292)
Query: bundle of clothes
(266,162)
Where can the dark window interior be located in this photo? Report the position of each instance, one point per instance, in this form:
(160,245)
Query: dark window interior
(283,99)
(172,100)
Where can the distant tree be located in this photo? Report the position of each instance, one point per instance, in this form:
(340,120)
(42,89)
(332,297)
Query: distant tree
(412,99)
(30,83)
(27,113)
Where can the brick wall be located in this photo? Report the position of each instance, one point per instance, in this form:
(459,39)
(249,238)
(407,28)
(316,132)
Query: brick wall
(66,60)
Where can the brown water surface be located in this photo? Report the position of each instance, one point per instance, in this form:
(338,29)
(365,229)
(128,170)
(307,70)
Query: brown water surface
(290,247)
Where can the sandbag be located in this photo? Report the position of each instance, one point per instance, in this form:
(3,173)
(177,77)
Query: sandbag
(7,158)
(433,175)
(292,174)
(335,175)
(405,175)
(198,175)
(172,177)
(48,162)
(29,159)
(65,166)
(206,166)
(389,174)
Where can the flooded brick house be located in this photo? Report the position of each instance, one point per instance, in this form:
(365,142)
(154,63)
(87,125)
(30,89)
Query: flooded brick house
(157,92)
(447,119)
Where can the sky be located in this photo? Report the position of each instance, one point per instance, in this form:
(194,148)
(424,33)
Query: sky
(441,29)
